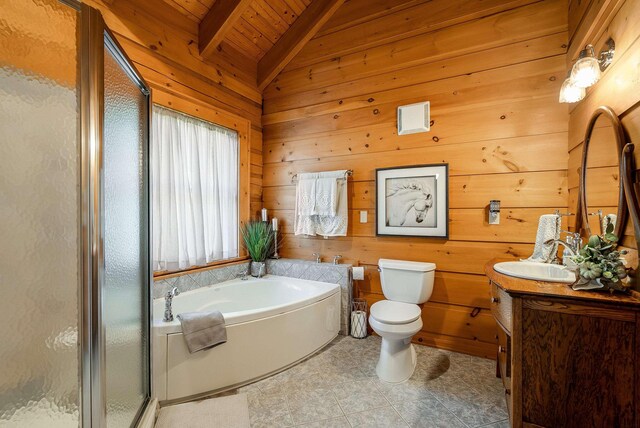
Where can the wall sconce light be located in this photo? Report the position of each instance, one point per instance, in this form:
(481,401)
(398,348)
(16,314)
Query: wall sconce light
(570,93)
(586,72)
(606,55)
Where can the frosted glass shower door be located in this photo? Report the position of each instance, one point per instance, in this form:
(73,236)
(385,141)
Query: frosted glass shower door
(40,245)
(125,290)
(74,222)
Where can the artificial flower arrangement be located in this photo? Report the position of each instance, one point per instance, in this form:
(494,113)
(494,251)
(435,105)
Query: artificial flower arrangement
(600,265)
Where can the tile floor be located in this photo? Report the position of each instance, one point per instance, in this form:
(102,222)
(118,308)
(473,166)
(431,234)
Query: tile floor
(338,387)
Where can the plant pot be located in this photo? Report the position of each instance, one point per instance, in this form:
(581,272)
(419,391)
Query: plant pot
(600,284)
(258,269)
(585,285)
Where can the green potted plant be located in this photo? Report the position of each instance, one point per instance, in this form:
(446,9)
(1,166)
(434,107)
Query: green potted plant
(600,265)
(257,237)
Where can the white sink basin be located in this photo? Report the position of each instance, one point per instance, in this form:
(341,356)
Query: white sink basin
(536,271)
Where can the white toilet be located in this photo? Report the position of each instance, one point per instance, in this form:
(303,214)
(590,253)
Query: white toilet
(396,320)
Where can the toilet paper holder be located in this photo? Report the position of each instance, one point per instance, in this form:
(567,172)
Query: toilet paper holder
(359,318)
(357,273)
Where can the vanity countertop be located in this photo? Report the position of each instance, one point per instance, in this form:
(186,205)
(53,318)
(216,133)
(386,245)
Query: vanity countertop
(519,286)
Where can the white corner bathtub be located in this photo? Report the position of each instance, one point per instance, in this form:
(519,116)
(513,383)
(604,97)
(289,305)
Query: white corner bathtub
(272,323)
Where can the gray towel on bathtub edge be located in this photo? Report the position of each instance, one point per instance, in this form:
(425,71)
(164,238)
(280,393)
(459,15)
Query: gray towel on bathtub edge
(203,330)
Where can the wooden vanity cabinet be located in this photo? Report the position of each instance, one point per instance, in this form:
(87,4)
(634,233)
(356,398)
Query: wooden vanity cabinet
(566,358)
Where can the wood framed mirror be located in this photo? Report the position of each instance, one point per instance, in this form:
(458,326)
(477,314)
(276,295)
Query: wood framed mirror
(630,189)
(601,197)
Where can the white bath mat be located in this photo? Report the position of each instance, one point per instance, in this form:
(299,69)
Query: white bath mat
(231,411)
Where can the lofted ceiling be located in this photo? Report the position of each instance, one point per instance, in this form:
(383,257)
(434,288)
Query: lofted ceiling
(259,26)
(269,32)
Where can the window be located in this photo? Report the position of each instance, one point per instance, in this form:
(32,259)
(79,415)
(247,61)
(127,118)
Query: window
(194,189)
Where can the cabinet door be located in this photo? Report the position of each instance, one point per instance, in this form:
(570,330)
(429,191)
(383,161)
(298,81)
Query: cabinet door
(578,364)
(504,357)
(504,364)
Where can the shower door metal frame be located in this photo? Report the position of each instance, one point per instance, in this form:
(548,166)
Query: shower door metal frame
(94,38)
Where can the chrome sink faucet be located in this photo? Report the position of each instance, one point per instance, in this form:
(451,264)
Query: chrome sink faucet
(567,245)
(573,243)
(318,257)
(168,299)
(336,258)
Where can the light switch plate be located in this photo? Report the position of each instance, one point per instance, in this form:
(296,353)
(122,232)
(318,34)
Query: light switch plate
(363,216)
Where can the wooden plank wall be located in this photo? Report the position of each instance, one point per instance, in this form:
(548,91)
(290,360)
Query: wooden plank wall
(163,44)
(594,22)
(492,71)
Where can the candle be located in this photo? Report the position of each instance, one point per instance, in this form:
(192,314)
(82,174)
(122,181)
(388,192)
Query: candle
(264,214)
(274,224)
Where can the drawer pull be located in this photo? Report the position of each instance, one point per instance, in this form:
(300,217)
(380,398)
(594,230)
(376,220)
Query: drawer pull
(502,349)
(495,300)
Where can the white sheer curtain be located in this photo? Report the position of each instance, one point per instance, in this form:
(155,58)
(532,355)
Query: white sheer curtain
(194,186)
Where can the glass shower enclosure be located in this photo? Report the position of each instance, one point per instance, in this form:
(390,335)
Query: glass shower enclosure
(74,221)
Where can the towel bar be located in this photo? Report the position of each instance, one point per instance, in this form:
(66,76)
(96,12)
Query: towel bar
(349,173)
(557,212)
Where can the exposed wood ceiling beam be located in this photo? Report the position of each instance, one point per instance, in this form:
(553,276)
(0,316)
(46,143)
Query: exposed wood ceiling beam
(294,39)
(217,23)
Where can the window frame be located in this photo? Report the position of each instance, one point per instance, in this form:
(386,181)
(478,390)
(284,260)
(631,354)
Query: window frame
(242,126)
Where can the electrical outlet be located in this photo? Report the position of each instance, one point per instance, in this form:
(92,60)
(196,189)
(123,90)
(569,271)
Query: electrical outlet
(363,216)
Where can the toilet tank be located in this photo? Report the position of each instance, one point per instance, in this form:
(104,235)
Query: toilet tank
(406,281)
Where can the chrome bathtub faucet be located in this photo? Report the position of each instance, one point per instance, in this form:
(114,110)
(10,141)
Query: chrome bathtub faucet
(168,299)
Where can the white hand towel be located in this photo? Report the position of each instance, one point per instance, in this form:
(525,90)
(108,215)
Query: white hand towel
(326,196)
(306,196)
(325,225)
(336,225)
(549,227)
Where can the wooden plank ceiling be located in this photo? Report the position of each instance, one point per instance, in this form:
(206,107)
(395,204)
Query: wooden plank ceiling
(254,28)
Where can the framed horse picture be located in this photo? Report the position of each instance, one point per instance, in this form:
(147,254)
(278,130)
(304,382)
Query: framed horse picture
(413,201)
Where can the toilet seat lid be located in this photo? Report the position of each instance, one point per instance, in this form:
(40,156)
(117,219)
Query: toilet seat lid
(406,265)
(390,312)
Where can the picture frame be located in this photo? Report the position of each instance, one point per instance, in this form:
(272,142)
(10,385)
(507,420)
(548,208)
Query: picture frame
(413,201)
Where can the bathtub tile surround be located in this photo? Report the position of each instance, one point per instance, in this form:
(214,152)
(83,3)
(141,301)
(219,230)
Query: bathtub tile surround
(200,279)
(292,268)
(338,387)
(324,272)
